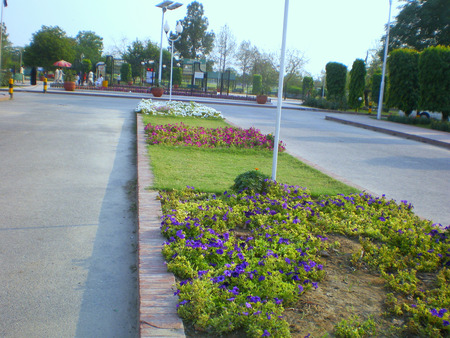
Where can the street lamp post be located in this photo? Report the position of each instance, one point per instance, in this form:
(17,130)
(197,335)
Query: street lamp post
(380,99)
(165,5)
(178,30)
(280,92)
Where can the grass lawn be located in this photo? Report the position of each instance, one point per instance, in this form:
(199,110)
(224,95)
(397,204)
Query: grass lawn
(214,170)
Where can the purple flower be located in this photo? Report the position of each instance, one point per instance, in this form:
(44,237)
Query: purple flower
(261,278)
(219,251)
(231,299)
(300,288)
(248,305)
(445,323)
(180,234)
(265,334)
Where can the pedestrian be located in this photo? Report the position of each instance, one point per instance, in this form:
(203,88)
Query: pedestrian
(91,78)
(21,73)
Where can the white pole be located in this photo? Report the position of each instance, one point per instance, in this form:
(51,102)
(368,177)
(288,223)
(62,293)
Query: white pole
(280,92)
(160,46)
(171,71)
(1,38)
(380,99)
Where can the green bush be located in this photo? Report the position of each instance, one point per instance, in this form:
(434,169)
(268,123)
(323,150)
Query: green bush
(251,180)
(325,104)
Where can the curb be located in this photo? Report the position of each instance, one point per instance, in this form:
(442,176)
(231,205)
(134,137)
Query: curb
(157,305)
(391,132)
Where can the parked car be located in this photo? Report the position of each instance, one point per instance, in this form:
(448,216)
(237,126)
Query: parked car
(423,113)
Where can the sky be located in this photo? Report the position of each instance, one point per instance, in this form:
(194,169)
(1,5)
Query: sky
(324,30)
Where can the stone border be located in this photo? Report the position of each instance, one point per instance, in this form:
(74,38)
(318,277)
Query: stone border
(157,305)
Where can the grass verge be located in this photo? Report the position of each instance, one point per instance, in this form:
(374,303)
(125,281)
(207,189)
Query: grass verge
(214,170)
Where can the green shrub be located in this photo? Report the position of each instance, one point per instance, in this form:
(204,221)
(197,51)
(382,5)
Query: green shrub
(251,180)
(352,328)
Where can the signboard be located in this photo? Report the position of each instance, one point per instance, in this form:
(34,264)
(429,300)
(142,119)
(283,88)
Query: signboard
(198,75)
(149,77)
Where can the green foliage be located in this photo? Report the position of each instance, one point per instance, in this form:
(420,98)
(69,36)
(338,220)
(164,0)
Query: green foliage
(324,103)
(434,80)
(336,77)
(47,46)
(4,78)
(90,45)
(357,84)
(421,24)
(375,87)
(125,72)
(403,90)
(195,42)
(354,328)
(253,180)
(421,121)
(177,75)
(257,84)
(308,87)
(69,75)
(86,65)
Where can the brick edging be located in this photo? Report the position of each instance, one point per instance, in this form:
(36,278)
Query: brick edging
(157,305)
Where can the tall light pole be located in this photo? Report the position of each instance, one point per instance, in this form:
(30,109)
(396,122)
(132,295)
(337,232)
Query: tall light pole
(178,29)
(383,76)
(280,92)
(165,5)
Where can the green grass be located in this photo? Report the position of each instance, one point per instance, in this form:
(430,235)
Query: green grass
(214,170)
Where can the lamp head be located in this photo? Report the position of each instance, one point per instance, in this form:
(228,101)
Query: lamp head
(179,28)
(166,27)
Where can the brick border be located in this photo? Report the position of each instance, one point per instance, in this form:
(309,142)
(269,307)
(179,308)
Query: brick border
(157,305)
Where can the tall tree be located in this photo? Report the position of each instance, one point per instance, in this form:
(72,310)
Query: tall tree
(336,77)
(90,45)
(195,41)
(245,59)
(295,61)
(308,86)
(264,66)
(403,90)
(224,48)
(47,46)
(421,24)
(434,80)
(357,83)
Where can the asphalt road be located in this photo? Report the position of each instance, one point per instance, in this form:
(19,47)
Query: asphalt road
(381,164)
(67,225)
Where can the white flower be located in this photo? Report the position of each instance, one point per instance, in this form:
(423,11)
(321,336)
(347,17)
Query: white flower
(177,108)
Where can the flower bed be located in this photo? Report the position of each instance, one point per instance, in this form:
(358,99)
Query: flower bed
(242,259)
(180,134)
(177,108)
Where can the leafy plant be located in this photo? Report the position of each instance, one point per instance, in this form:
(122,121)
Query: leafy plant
(252,180)
(354,328)
(69,75)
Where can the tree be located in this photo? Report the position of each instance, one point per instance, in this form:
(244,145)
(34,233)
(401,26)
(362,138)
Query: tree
(434,80)
(357,83)
(421,24)
(125,72)
(264,66)
(47,46)
(89,45)
(134,56)
(336,77)
(245,59)
(403,90)
(295,61)
(224,46)
(195,42)
(86,66)
(257,84)
(375,86)
(308,86)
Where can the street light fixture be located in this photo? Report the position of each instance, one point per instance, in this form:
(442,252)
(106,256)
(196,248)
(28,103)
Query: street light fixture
(380,99)
(165,5)
(179,30)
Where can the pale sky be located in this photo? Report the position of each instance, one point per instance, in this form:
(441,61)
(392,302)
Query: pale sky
(325,30)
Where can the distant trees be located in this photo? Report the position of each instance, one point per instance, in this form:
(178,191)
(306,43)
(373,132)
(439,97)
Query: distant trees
(89,46)
(357,83)
(434,80)
(403,90)
(421,24)
(47,46)
(308,86)
(224,46)
(336,76)
(195,42)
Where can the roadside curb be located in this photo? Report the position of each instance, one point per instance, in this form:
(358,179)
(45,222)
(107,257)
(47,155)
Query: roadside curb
(157,305)
(390,132)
